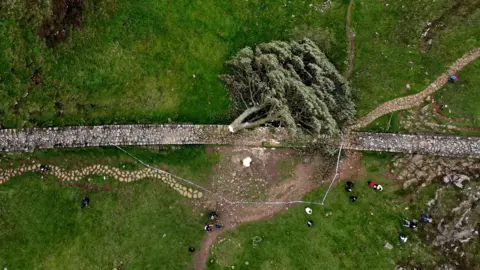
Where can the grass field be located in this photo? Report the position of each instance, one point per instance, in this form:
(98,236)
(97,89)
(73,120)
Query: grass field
(144,61)
(388,45)
(142,225)
(351,237)
(462,97)
(190,162)
(150,61)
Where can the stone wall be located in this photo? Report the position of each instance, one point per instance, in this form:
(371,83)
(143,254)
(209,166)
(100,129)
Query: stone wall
(26,140)
(432,144)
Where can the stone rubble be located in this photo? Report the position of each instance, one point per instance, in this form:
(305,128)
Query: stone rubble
(420,170)
(106,171)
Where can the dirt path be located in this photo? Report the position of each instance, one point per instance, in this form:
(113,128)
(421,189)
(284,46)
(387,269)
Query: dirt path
(351,41)
(237,183)
(309,174)
(201,257)
(416,99)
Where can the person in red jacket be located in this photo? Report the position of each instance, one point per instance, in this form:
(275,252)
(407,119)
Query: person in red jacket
(372,184)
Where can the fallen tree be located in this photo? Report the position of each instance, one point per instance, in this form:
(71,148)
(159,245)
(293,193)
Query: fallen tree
(290,84)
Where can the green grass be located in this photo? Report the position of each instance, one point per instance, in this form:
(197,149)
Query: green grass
(388,56)
(386,123)
(135,61)
(462,97)
(43,226)
(286,168)
(352,237)
(191,162)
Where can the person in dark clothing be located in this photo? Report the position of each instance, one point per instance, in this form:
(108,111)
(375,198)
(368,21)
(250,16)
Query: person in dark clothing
(353,198)
(349,186)
(43,168)
(208,228)
(426,219)
(410,224)
(403,238)
(213,216)
(309,223)
(85,202)
(191,249)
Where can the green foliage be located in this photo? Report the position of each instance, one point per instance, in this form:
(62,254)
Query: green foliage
(135,61)
(293,83)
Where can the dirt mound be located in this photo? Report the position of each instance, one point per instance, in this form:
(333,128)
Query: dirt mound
(65,13)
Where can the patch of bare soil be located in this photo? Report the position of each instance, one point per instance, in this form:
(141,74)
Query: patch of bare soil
(461,9)
(259,182)
(65,13)
(351,167)
(351,41)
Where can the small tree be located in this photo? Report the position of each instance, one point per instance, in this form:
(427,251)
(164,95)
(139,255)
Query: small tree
(292,84)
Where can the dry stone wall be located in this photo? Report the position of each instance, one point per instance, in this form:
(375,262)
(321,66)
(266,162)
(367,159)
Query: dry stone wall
(26,140)
(432,144)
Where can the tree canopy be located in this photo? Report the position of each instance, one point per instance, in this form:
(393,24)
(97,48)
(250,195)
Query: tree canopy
(292,84)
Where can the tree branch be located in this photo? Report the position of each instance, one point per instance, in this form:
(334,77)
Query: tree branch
(237,123)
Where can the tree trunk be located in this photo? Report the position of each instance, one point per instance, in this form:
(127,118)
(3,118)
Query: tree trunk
(238,124)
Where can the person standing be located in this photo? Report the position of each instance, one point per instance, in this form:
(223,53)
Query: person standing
(85,202)
(426,219)
(410,224)
(349,186)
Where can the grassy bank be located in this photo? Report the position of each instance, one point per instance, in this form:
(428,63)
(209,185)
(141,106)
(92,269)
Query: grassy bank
(391,52)
(345,235)
(461,97)
(143,61)
(139,225)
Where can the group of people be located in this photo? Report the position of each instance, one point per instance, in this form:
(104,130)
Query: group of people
(349,188)
(412,224)
(212,222)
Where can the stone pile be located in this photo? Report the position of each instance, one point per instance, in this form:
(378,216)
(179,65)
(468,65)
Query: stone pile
(106,171)
(414,170)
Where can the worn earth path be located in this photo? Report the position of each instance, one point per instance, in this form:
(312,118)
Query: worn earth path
(416,99)
(351,41)
(309,174)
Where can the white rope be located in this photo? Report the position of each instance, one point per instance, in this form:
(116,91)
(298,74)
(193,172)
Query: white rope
(236,202)
(336,173)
